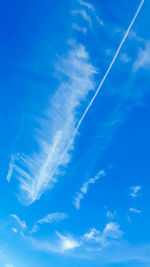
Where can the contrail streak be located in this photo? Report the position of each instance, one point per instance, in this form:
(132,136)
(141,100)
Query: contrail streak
(100,85)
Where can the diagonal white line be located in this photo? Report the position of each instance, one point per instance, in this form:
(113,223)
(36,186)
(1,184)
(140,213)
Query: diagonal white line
(100,85)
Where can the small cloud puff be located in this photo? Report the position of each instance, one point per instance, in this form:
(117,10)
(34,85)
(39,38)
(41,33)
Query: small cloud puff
(68,243)
(93,234)
(78,28)
(86,4)
(134,191)
(14,230)
(111,215)
(135,210)
(124,58)
(111,231)
(143,59)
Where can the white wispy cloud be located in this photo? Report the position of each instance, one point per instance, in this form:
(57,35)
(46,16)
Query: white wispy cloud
(85,187)
(134,191)
(99,21)
(92,241)
(84,15)
(67,243)
(11,168)
(124,58)
(143,59)
(86,4)
(38,172)
(93,234)
(119,252)
(112,230)
(110,233)
(43,245)
(111,215)
(109,249)
(133,35)
(129,218)
(50,218)
(135,210)
(92,8)
(53,217)
(35,228)
(78,28)
(21,223)
(113,123)
(59,243)
(14,230)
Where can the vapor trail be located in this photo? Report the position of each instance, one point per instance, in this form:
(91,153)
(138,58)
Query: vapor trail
(100,85)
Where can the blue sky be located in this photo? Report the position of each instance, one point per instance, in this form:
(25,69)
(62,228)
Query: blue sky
(74,114)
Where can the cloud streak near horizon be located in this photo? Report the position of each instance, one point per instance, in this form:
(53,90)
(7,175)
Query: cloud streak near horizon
(93,241)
